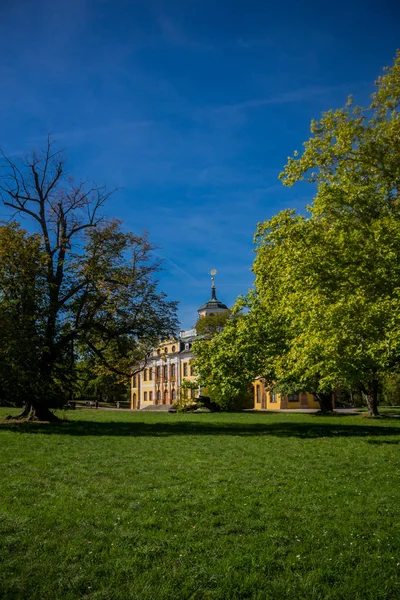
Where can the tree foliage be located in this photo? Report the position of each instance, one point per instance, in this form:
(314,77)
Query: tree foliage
(353,157)
(22,272)
(226,363)
(325,307)
(98,290)
(210,325)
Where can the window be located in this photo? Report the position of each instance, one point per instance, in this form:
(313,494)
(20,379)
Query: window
(159,352)
(173,348)
(134,400)
(192,392)
(293,397)
(145,396)
(258,394)
(192,369)
(151,396)
(158,372)
(145,375)
(166,350)
(165,397)
(185,369)
(172,370)
(186,347)
(158,396)
(274,397)
(165,372)
(173,395)
(185,393)
(151,374)
(133,381)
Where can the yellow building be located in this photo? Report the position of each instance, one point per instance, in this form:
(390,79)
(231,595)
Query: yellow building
(159,382)
(171,364)
(267,400)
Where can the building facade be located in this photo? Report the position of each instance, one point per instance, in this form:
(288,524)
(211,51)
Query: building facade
(171,364)
(267,400)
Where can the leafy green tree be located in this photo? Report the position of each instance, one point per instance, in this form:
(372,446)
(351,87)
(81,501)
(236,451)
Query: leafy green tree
(99,290)
(22,271)
(229,361)
(210,325)
(325,308)
(391,389)
(353,157)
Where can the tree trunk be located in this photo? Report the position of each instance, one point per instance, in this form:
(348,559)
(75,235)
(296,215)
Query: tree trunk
(371,396)
(42,413)
(23,414)
(325,402)
(33,411)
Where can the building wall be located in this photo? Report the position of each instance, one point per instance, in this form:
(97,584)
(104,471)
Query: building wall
(160,380)
(266,400)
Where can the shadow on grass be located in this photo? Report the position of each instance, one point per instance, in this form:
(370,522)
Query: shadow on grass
(316,429)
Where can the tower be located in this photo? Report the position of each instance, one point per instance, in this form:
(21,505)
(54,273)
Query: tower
(213,306)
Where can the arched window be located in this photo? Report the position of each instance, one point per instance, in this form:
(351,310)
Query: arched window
(173,395)
(172,370)
(145,375)
(166,397)
(145,396)
(133,381)
(134,400)
(258,394)
(158,372)
(165,372)
(173,348)
(150,374)
(158,396)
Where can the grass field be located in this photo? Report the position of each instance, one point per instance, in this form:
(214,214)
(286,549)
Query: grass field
(384,410)
(114,505)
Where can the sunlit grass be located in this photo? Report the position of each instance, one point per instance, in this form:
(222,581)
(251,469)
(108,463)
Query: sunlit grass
(116,505)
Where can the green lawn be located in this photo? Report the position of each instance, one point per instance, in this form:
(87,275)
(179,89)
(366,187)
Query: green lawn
(115,505)
(385,410)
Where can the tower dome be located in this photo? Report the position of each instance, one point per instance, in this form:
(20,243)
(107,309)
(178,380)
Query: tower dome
(213,306)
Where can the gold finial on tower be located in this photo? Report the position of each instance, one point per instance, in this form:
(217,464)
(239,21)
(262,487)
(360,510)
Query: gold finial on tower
(213,272)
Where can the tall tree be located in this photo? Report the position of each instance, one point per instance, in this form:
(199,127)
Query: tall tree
(22,272)
(230,359)
(325,309)
(100,288)
(353,157)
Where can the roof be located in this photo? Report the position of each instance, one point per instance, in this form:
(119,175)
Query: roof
(213,303)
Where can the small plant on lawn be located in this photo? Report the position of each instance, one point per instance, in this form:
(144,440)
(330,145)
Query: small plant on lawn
(186,401)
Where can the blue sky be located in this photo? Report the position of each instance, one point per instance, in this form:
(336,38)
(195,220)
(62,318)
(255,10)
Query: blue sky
(190,107)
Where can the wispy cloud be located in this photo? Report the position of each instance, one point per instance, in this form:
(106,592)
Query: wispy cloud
(176,267)
(304,94)
(79,134)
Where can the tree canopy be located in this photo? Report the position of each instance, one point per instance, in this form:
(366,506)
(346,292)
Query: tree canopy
(325,307)
(97,289)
